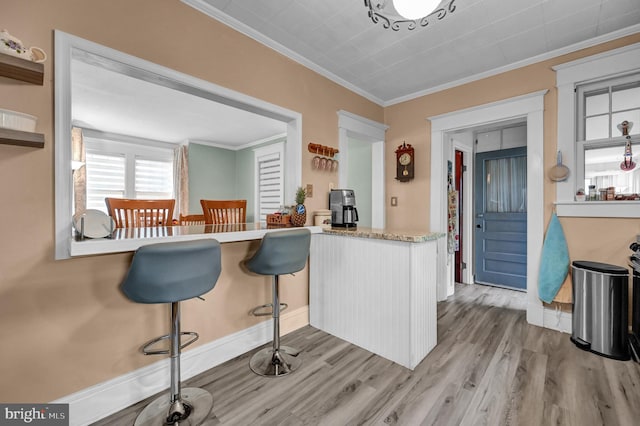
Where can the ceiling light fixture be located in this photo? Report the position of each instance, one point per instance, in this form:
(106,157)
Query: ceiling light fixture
(410,13)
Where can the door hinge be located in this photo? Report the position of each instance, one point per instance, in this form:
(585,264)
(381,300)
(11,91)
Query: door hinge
(463,265)
(464,168)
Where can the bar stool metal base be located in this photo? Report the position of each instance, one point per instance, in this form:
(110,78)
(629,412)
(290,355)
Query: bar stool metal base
(270,363)
(198,403)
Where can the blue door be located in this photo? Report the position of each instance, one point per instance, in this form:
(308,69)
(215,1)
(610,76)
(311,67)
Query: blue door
(501,218)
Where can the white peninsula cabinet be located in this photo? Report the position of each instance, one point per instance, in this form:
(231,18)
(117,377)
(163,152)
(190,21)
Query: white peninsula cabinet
(376,289)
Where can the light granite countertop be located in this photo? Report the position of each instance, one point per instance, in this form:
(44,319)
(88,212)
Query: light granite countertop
(385,234)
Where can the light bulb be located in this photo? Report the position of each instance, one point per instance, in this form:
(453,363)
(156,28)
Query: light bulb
(414,9)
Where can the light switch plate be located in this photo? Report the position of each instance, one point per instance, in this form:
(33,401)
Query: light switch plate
(309,190)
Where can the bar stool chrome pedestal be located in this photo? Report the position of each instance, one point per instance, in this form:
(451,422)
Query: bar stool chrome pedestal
(282,252)
(170,273)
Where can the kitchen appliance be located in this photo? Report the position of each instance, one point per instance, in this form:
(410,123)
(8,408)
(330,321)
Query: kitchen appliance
(634,337)
(342,203)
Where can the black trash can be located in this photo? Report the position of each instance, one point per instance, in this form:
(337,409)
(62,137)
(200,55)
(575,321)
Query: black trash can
(600,308)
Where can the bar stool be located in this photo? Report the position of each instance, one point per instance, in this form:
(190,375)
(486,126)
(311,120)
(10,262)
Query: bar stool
(282,252)
(170,273)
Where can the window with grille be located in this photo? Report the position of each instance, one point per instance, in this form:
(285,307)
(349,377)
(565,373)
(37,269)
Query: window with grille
(269,174)
(126,170)
(601,107)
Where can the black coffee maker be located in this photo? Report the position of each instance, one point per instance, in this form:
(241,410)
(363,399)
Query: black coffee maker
(342,203)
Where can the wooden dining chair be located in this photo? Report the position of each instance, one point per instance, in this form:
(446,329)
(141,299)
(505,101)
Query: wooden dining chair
(191,219)
(130,213)
(224,211)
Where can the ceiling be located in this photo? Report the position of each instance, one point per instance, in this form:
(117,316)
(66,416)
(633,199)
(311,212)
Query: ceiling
(479,38)
(337,39)
(113,102)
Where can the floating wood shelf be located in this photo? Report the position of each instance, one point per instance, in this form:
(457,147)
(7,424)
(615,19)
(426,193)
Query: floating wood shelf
(21,69)
(16,137)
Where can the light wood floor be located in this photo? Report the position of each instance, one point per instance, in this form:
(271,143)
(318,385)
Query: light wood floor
(489,368)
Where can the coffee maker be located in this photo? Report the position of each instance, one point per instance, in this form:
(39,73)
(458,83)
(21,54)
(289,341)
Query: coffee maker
(342,203)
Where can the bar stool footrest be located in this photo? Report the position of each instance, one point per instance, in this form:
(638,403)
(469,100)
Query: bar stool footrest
(145,348)
(266,310)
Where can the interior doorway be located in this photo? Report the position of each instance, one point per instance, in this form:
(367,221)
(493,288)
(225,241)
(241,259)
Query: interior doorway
(527,108)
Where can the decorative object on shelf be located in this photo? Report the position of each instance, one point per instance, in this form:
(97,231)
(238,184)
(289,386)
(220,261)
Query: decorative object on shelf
(17,121)
(278,219)
(559,172)
(10,45)
(324,160)
(580,195)
(395,14)
(299,214)
(405,165)
(627,163)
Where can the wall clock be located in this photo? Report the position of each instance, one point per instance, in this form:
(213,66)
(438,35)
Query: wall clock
(405,164)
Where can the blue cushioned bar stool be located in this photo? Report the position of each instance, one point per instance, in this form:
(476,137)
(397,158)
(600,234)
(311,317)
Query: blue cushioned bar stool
(170,273)
(282,252)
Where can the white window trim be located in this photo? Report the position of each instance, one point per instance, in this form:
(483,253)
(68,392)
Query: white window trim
(568,76)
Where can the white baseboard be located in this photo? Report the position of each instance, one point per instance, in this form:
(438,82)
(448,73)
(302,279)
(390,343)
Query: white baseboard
(557,320)
(99,401)
(538,315)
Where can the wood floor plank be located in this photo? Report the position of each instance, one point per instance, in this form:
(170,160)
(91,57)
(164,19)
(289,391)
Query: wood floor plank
(489,367)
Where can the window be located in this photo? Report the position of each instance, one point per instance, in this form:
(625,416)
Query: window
(126,170)
(269,180)
(601,107)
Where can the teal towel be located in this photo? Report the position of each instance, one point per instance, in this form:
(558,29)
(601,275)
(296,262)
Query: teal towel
(554,262)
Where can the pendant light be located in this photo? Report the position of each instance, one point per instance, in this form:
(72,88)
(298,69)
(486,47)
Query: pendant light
(415,9)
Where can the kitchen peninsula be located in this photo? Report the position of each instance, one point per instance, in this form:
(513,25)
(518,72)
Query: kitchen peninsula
(376,289)
(130,239)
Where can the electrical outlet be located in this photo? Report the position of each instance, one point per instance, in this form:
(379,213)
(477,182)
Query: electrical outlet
(394,201)
(309,190)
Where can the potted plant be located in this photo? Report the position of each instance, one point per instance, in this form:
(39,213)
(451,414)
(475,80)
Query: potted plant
(299,214)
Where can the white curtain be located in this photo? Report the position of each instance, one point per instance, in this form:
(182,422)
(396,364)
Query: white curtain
(78,157)
(506,185)
(181,179)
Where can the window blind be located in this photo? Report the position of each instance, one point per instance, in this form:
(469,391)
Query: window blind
(270,184)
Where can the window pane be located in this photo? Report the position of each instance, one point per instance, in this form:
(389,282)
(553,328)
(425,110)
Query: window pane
(105,178)
(596,103)
(154,179)
(597,127)
(632,116)
(625,98)
(506,185)
(602,169)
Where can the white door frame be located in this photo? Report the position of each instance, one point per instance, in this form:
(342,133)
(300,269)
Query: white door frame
(467,216)
(352,125)
(530,106)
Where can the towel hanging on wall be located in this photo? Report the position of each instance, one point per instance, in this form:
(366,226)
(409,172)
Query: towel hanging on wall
(554,262)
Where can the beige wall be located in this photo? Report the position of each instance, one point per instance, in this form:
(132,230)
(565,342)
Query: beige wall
(64,325)
(603,240)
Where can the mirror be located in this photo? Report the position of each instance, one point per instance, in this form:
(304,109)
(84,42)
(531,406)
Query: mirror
(120,97)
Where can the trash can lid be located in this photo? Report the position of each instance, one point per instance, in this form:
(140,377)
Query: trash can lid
(600,267)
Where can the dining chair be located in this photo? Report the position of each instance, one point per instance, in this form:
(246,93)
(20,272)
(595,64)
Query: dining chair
(191,219)
(224,211)
(130,213)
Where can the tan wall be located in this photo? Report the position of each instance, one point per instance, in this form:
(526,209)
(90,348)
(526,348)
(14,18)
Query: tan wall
(603,240)
(64,325)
